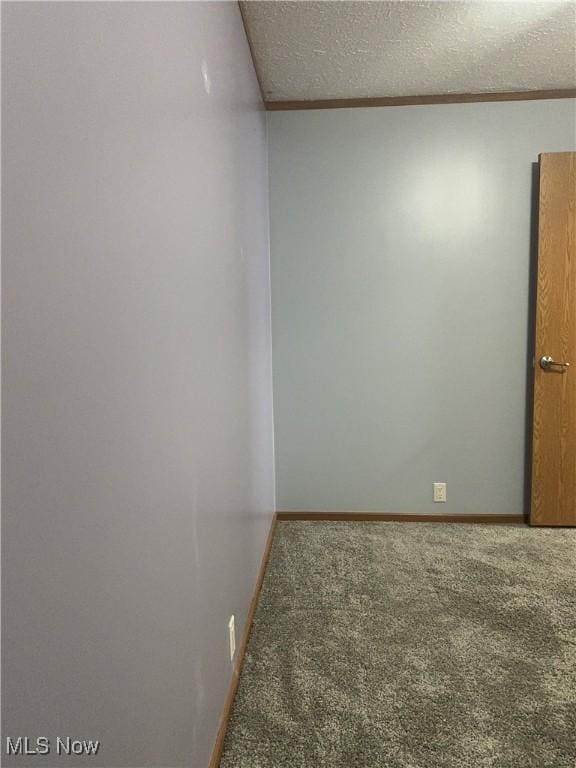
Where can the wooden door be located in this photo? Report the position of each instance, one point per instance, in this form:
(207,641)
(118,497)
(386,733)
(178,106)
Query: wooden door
(554,421)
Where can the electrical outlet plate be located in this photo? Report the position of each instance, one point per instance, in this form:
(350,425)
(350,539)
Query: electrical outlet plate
(232,637)
(440,492)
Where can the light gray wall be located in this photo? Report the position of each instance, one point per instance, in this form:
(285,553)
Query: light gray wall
(138,470)
(400,278)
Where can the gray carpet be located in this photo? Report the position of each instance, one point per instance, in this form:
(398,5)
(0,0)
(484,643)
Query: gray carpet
(411,646)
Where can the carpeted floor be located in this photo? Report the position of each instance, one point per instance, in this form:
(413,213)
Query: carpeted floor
(411,645)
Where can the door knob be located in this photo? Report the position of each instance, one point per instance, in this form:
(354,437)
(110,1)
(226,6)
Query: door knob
(548,363)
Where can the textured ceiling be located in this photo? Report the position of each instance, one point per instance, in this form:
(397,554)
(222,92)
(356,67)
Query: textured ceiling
(335,49)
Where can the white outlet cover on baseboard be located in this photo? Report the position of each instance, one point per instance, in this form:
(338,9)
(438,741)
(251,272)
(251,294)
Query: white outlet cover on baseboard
(439,492)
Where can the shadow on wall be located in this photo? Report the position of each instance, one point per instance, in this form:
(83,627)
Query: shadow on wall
(531,323)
